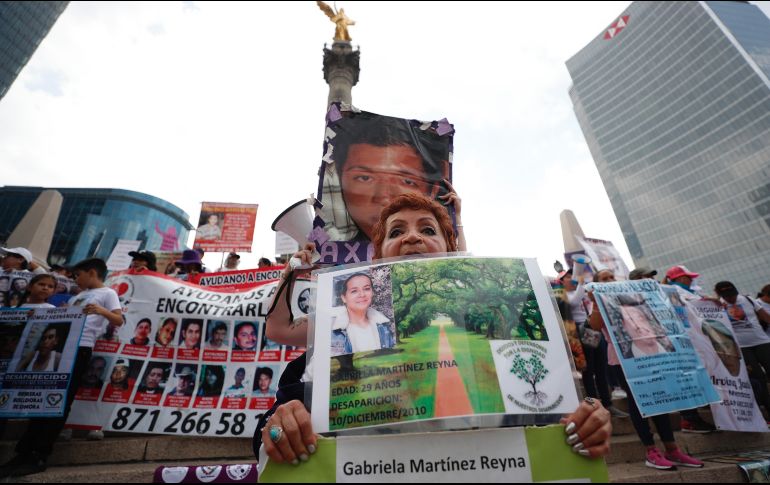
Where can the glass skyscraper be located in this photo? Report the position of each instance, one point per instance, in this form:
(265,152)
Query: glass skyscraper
(92,221)
(674,102)
(23,25)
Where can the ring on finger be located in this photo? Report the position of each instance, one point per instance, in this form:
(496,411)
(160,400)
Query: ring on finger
(276,433)
(591,401)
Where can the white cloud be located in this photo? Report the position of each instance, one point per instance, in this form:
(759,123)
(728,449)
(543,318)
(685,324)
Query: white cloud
(228,105)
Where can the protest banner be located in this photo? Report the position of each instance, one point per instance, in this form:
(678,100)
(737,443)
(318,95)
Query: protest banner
(603,256)
(37,375)
(189,360)
(239,279)
(368,160)
(12,323)
(119,259)
(446,337)
(225,227)
(658,359)
(13,284)
(506,455)
(285,244)
(715,342)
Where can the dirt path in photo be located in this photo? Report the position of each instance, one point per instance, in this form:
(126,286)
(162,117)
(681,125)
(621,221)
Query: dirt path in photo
(451,396)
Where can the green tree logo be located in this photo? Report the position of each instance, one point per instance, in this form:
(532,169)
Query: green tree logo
(531,371)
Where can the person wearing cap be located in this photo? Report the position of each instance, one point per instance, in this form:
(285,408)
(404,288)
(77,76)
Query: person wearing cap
(190,264)
(682,279)
(264,263)
(749,322)
(231,263)
(642,273)
(185,383)
(19,259)
(143,260)
(595,373)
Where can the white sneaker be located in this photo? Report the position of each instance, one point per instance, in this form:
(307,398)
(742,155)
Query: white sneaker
(619,394)
(95,435)
(65,435)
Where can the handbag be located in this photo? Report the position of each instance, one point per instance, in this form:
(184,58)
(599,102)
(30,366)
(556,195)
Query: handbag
(590,337)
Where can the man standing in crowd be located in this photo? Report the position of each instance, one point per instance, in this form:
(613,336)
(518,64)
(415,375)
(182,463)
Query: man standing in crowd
(231,263)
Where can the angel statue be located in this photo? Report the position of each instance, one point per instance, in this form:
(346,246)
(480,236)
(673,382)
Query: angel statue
(340,19)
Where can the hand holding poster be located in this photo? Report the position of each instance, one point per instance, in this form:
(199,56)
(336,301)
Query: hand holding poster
(38,374)
(368,160)
(604,255)
(436,338)
(226,227)
(655,352)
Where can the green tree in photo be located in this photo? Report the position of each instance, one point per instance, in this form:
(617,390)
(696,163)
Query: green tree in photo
(532,372)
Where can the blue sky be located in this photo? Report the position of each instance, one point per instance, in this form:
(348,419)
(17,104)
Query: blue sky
(225,102)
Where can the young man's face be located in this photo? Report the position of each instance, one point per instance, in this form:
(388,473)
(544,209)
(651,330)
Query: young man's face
(246,338)
(119,374)
(373,176)
(154,378)
(139,264)
(166,333)
(239,376)
(85,279)
(218,337)
(95,371)
(264,382)
(192,335)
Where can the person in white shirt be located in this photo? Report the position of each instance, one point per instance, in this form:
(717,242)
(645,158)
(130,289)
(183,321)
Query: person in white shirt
(102,308)
(750,322)
(210,230)
(39,290)
(231,263)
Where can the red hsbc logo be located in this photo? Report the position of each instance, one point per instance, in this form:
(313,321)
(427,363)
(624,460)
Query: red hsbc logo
(616,27)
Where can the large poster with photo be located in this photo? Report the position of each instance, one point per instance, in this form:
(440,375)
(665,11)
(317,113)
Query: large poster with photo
(437,338)
(655,351)
(13,284)
(225,227)
(604,255)
(189,360)
(713,336)
(37,374)
(368,160)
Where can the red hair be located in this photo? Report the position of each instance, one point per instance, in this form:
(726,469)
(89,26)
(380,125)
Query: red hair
(414,202)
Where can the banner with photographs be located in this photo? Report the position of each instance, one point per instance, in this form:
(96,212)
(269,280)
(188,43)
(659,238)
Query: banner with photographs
(42,347)
(437,338)
(505,455)
(657,356)
(368,160)
(604,255)
(189,361)
(13,284)
(712,334)
(225,227)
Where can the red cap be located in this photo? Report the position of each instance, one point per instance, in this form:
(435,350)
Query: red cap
(678,272)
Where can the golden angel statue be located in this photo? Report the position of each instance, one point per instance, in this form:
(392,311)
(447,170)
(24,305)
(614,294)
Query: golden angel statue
(340,20)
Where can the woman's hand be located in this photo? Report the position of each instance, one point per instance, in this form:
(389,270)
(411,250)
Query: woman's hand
(452,199)
(305,257)
(589,429)
(296,440)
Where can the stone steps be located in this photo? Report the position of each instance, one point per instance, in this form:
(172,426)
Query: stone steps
(711,473)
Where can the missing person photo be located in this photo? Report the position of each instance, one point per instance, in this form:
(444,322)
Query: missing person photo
(216,335)
(636,328)
(360,320)
(43,349)
(155,377)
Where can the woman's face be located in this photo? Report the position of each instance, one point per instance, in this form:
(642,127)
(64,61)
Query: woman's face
(605,276)
(166,332)
(358,293)
(413,232)
(636,324)
(143,330)
(119,374)
(211,378)
(12,262)
(373,176)
(49,341)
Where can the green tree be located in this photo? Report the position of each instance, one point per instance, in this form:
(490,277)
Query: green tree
(532,372)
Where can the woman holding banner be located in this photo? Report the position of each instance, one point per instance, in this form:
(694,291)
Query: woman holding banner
(410,225)
(654,459)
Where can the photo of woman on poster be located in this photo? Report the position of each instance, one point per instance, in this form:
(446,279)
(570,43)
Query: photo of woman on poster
(46,355)
(212,381)
(358,326)
(724,345)
(635,325)
(165,335)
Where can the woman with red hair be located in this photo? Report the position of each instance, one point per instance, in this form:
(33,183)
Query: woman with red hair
(410,225)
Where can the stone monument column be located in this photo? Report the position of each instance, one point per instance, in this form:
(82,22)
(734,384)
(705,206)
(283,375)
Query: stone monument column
(341,71)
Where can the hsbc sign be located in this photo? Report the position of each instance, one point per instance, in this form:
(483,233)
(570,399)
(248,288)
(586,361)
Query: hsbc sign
(616,27)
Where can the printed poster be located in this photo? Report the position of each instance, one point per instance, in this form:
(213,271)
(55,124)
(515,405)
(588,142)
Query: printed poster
(656,353)
(190,361)
(225,227)
(368,160)
(437,338)
(505,455)
(603,256)
(38,374)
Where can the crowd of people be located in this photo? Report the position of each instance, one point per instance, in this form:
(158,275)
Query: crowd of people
(603,377)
